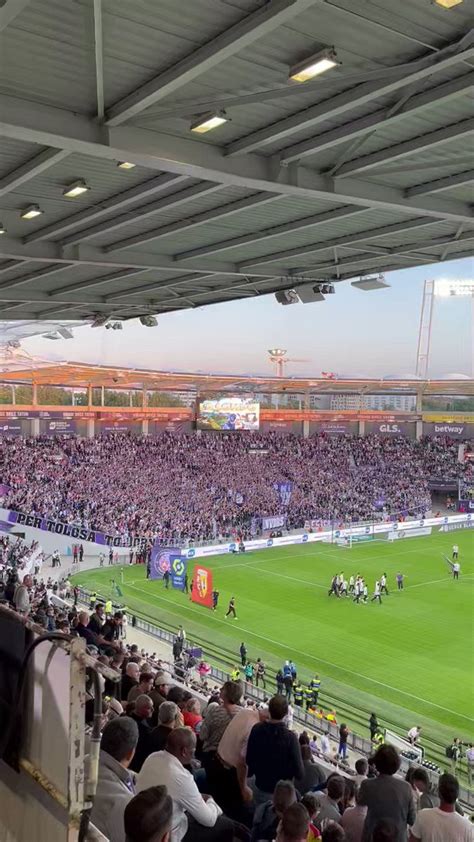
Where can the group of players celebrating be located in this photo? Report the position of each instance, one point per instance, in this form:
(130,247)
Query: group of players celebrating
(356,588)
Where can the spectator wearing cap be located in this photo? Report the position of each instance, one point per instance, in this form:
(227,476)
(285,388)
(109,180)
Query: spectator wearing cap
(443,822)
(195,818)
(144,686)
(273,751)
(142,715)
(115,784)
(387,797)
(159,693)
(148,816)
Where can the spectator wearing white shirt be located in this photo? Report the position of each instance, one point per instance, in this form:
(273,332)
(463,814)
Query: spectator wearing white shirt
(414,734)
(470,763)
(195,817)
(443,823)
(325,745)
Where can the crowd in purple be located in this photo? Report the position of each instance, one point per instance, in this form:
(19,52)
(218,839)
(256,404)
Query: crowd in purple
(188,487)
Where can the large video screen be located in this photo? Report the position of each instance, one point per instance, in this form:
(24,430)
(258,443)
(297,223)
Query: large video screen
(229,414)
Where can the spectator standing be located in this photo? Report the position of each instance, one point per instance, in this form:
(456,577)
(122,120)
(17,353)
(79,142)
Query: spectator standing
(217,718)
(443,823)
(243,654)
(21,596)
(454,753)
(414,734)
(115,784)
(353,820)
(273,752)
(328,802)
(387,797)
(470,763)
(313,774)
(361,767)
(343,735)
(373,725)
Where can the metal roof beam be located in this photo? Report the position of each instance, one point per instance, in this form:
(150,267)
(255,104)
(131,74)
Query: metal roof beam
(257,24)
(115,203)
(350,99)
(286,228)
(37,123)
(407,147)
(89,256)
(93,282)
(142,212)
(157,285)
(30,169)
(31,277)
(446,183)
(196,220)
(335,242)
(381,118)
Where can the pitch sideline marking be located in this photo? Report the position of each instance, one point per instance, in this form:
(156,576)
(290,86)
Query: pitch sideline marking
(312,657)
(435,582)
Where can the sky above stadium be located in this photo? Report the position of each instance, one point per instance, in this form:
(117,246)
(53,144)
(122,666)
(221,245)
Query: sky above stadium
(352,333)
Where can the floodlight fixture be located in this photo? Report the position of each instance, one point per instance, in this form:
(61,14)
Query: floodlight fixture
(3,230)
(65,333)
(370,283)
(448,4)
(148,321)
(114,326)
(31,211)
(208,122)
(77,188)
(126,165)
(277,352)
(445,288)
(314,65)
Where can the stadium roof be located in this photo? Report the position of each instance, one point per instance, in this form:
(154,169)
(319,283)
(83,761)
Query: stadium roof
(365,168)
(82,375)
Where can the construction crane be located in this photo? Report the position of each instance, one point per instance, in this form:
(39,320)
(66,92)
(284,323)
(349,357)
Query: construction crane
(279,358)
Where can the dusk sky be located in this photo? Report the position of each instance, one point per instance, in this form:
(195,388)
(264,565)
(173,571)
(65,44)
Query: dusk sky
(352,333)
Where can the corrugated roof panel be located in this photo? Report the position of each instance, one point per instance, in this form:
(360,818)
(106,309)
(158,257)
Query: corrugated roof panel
(164,217)
(14,153)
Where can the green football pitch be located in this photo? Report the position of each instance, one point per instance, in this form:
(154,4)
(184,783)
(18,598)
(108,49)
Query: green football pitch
(409,659)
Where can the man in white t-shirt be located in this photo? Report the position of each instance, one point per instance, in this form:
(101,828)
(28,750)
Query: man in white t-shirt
(414,734)
(443,824)
(455,552)
(456,569)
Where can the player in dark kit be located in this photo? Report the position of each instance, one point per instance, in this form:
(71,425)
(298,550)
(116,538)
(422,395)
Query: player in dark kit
(231,608)
(215,599)
(334,587)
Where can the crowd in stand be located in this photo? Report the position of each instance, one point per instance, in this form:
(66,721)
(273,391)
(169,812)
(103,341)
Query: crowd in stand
(185,487)
(213,767)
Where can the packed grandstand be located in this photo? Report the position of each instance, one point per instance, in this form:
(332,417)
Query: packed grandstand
(190,487)
(187,749)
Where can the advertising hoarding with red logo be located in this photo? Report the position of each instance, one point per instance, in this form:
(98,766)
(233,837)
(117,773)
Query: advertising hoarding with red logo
(202,586)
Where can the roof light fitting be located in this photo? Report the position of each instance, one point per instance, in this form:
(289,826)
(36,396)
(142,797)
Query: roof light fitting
(126,165)
(448,4)
(31,211)
(208,122)
(148,321)
(77,188)
(314,65)
(3,230)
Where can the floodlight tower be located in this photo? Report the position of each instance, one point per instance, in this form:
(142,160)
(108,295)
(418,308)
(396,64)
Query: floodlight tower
(432,290)
(278,356)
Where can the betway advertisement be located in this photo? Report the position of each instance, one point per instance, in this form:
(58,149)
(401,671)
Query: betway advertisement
(455,430)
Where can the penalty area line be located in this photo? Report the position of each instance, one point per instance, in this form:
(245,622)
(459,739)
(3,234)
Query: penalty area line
(306,655)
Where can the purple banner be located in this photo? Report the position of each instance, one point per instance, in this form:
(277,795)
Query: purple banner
(11,427)
(58,428)
(162,560)
(81,533)
(453,431)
